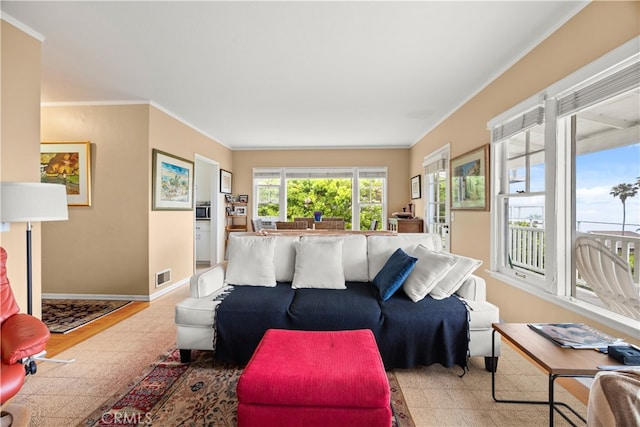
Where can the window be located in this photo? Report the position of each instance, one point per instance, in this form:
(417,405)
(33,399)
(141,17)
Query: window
(521,197)
(288,193)
(557,161)
(267,194)
(326,191)
(436,171)
(371,190)
(604,137)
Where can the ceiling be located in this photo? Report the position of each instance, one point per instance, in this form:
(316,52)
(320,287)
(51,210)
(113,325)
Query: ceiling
(269,75)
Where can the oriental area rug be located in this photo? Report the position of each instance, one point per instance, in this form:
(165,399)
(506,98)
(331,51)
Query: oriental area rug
(203,393)
(65,315)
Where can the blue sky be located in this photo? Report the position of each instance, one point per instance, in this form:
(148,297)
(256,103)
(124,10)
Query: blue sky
(596,174)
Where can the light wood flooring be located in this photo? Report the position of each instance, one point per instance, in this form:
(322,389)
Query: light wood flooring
(61,342)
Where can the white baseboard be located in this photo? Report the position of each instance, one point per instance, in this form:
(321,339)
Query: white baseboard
(119,297)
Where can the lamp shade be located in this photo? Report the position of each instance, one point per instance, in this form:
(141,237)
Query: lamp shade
(32,202)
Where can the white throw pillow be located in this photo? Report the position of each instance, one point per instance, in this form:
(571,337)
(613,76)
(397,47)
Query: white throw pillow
(455,277)
(380,248)
(251,261)
(318,265)
(354,255)
(429,270)
(285,257)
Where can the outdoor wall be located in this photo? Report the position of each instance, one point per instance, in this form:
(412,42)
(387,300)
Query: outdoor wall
(396,160)
(20,76)
(102,248)
(597,29)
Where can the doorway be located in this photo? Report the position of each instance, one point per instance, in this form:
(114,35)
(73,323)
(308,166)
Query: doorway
(206,194)
(436,175)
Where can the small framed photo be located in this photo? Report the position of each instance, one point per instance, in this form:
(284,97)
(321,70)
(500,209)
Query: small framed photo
(241,210)
(243,198)
(416,192)
(470,180)
(69,164)
(228,198)
(225,181)
(172,182)
(229,211)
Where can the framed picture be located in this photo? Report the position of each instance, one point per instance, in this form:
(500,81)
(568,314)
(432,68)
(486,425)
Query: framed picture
(228,198)
(470,180)
(243,198)
(68,163)
(172,182)
(241,210)
(415,187)
(225,181)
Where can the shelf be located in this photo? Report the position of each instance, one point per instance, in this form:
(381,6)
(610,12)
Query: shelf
(236,223)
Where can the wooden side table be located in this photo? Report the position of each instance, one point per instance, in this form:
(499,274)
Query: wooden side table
(555,360)
(399,225)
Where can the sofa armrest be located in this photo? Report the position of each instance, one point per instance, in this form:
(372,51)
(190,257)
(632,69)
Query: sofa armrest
(474,288)
(208,281)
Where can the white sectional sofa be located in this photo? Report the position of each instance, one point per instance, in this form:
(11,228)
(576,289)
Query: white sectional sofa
(283,260)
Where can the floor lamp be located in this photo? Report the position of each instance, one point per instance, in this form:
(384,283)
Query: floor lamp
(32,202)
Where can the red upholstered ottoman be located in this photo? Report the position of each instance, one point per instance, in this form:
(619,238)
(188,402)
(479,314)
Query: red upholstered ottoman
(310,378)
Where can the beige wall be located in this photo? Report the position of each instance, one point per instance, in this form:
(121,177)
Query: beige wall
(396,160)
(116,245)
(171,233)
(103,248)
(596,30)
(20,148)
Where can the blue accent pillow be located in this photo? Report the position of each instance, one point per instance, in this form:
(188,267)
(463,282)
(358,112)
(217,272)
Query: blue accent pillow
(394,273)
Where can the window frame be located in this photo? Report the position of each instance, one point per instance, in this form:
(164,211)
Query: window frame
(355,173)
(267,173)
(560,193)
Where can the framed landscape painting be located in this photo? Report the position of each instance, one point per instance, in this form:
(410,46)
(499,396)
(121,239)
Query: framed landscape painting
(69,164)
(172,182)
(469,180)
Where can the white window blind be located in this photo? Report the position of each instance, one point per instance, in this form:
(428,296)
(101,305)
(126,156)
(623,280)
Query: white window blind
(318,174)
(615,84)
(521,123)
(372,174)
(266,173)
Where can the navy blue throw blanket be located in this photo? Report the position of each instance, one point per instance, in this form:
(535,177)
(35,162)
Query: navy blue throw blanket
(408,334)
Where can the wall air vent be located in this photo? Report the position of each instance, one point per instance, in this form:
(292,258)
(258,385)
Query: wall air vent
(163,277)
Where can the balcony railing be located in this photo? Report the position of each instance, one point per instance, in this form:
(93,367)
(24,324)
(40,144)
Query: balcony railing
(527,247)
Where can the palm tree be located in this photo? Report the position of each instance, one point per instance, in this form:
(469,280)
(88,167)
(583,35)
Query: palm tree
(623,191)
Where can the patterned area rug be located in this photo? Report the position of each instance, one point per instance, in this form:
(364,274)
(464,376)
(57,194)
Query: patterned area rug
(170,393)
(65,315)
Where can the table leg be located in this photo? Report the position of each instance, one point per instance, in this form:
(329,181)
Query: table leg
(551,398)
(552,379)
(553,405)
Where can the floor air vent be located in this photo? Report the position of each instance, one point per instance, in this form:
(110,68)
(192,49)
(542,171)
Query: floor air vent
(163,277)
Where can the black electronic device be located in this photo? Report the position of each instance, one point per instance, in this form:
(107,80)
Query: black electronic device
(625,354)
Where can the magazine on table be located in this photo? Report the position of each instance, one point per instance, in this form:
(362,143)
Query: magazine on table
(575,335)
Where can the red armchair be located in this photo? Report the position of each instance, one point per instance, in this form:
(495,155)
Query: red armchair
(22,336)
